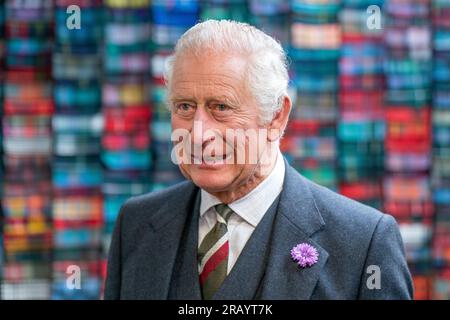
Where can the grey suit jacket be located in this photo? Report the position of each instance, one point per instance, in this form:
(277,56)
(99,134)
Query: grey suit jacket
(154,231)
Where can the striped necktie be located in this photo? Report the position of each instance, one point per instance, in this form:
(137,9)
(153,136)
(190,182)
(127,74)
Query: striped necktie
(213,253)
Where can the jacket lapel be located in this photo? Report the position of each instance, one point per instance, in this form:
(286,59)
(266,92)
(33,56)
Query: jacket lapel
(297,220)
(160,246)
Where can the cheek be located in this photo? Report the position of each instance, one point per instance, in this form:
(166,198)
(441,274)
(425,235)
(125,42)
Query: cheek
(178,122)
(245,119)
(247,147)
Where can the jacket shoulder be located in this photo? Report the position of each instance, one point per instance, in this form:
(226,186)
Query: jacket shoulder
(351,228)
(349,217)
(145,206)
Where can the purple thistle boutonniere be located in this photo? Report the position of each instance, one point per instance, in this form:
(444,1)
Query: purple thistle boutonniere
(305,255)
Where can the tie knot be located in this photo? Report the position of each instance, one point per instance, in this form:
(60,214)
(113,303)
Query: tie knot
(224,211)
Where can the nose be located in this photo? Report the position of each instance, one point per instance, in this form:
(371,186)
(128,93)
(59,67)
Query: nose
(203,123)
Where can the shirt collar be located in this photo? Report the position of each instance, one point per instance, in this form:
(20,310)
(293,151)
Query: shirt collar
(253,205)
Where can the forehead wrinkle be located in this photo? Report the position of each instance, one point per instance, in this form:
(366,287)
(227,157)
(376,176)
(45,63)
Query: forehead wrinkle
(205,81)
(208,79)
(207,91)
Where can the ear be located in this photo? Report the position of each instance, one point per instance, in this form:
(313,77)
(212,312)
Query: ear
(279,121)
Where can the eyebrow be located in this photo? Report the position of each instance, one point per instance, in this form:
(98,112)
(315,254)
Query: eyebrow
(227,100)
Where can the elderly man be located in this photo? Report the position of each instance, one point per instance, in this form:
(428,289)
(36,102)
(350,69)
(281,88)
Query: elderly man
(245,225)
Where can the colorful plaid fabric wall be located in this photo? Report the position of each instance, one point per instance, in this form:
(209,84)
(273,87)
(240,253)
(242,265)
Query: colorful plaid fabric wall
(84,125)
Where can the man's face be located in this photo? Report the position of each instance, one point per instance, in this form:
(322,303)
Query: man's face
(210,93)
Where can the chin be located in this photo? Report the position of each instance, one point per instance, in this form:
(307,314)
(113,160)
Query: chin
(211,180)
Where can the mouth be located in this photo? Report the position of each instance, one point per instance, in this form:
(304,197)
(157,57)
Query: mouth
(210,159)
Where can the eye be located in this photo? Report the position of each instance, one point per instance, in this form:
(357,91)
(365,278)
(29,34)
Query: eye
(184,109)
(220,110)
(221,107)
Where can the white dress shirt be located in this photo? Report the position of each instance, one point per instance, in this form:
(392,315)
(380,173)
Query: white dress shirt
(248,211)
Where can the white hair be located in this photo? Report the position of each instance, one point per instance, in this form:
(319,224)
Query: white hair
(267,75)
